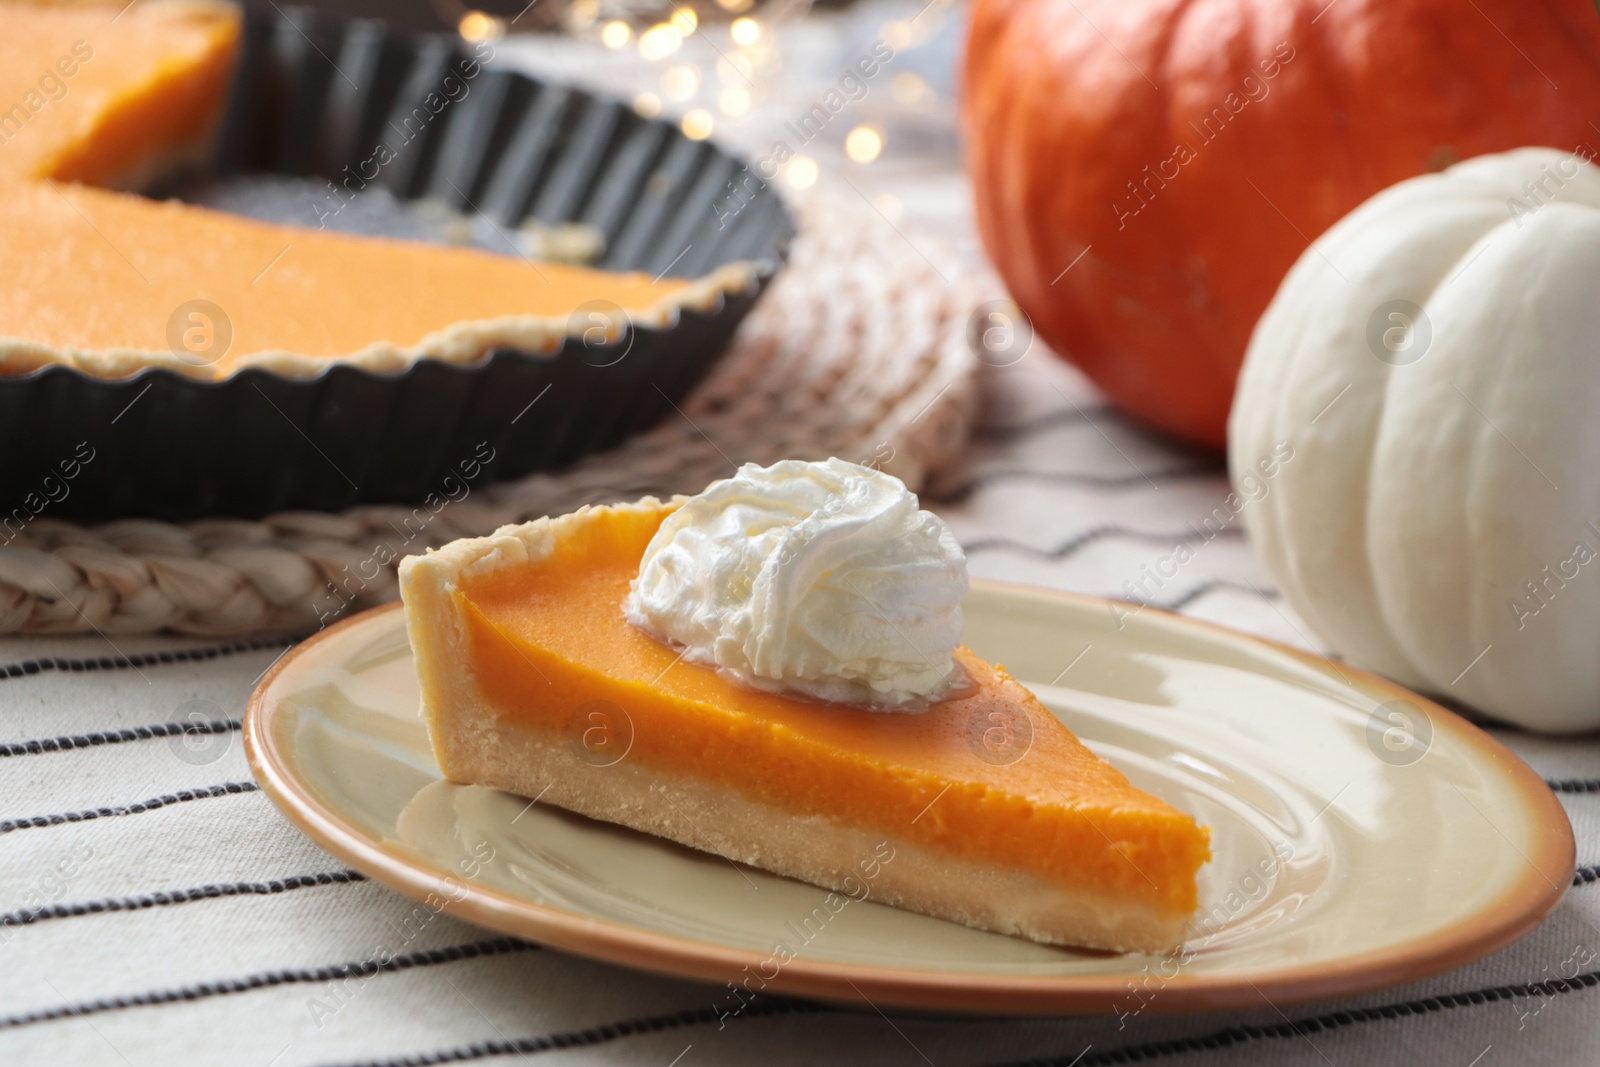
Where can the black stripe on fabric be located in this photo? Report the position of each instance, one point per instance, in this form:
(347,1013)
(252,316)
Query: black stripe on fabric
(1087,537)
(1585,875)
(166,898)
(1337,1020)
(594,1035)
(138,660)
(266,979)
(1574,785)
(115,737)
(1028,427)
(153,804)
(982,480)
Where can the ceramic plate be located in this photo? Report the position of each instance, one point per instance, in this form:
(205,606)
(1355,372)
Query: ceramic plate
(1363,836)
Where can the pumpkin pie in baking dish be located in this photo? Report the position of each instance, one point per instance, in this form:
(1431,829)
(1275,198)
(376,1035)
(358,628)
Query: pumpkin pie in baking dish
(108,95)
(770,671)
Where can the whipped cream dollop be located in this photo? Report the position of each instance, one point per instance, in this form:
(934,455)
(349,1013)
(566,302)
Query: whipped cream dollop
(824,579)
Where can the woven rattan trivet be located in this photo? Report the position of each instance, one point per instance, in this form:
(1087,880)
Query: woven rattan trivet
(859,351)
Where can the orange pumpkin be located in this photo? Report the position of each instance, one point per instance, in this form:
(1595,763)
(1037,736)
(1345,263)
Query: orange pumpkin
(1146,171)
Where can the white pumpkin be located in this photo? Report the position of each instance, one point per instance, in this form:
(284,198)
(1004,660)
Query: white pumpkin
(1431,366)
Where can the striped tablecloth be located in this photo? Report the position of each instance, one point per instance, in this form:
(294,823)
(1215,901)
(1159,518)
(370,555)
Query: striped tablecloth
(156,910)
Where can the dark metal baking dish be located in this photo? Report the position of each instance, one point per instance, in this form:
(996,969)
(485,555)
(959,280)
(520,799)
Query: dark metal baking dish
(312,96)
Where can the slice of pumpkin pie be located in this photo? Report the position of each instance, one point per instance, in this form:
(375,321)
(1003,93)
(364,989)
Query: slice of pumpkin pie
(771,671)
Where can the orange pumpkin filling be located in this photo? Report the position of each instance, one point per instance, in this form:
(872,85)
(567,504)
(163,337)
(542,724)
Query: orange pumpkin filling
(107,94)
(92,91)
(549,636)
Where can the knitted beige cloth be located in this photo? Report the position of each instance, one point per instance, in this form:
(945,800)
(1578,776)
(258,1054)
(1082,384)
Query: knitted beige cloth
(859,350)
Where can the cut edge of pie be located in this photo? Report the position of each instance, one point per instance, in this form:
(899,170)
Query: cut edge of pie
(494,741)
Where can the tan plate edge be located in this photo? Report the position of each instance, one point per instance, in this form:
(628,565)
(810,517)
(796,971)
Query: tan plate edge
(1545,880)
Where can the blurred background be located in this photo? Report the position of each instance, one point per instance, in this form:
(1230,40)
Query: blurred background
(740,70)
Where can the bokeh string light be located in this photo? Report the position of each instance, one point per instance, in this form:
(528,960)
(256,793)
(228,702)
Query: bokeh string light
(703,90)
(660,41)
(477,26)
(647,105)
(801,172)
(680,82)
(582,14)
(863,144)
(698,124)
(744,31)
